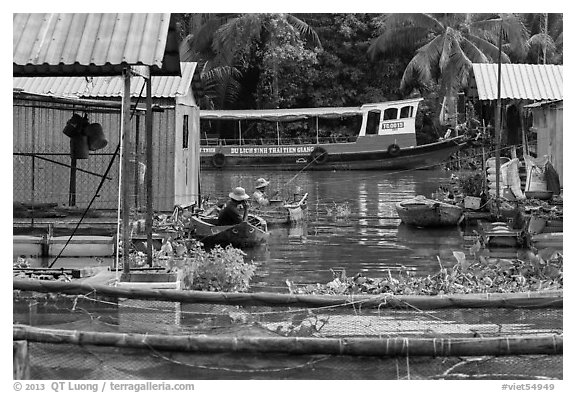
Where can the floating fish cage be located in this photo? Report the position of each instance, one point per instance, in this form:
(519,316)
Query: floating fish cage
(105,332)
(65,246)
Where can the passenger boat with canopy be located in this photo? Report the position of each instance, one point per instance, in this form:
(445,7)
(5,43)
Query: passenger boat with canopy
(386,140)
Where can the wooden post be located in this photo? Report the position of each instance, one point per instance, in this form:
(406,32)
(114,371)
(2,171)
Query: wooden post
(72,188)
(33,164)
(317,131)
(149,157)
(136,177)
(278,132)
(125,189)
(21,360)
(498,109)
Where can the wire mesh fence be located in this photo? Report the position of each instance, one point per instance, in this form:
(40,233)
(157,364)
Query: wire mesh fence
(46,178)
(245,345)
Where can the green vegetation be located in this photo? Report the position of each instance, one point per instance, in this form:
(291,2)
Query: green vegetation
(480,276)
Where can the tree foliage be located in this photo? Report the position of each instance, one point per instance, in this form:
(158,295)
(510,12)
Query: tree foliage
(313,60)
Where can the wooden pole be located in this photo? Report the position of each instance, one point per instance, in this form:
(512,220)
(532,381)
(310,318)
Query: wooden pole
(33,177)
(551,344)
(125,186)
(72,188)
(278,132)
(149,166)
(497,121)
(136,151)
(240,131)
(21,360)
(317,132)
(543,299)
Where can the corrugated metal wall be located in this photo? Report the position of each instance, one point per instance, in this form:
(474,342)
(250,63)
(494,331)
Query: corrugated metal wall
(37,128)
(550,135)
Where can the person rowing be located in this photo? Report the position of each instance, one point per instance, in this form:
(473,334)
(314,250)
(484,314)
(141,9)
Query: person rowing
(230,214)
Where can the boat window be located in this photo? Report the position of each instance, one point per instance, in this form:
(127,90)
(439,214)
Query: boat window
(391,114)
(406,112)
(373,122)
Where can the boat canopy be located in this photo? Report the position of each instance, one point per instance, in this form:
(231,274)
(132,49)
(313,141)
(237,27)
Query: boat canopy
(292,114)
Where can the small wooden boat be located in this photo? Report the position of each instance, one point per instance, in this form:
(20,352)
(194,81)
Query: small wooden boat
(281,213)
(250,233)
(423,212)
(500,234)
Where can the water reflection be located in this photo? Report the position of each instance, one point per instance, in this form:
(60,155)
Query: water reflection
(368,238)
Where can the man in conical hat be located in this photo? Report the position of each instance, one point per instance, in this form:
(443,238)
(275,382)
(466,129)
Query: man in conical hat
(231,215)
(260,195)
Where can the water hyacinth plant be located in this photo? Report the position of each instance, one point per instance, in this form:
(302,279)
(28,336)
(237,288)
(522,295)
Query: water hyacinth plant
(479,276)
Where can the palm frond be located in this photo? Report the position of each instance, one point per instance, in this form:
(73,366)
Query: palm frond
(420,67)
(304,29)
(516,34)
(447,43)
(425,21)
(473,52)
(541,40)
(489,49)
(393,40)
(237,33)
(222,85)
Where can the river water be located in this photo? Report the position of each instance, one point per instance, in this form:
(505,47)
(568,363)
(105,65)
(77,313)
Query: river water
(351,224)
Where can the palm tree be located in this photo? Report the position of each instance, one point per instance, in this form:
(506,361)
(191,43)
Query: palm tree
(546,39)
(225,44)
(447,45)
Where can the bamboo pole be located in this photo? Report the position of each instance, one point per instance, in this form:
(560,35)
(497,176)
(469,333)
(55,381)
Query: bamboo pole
(149,166)
(541,299)
(351,346)
(125,189)
(62,164)
(21,360)
(498,121)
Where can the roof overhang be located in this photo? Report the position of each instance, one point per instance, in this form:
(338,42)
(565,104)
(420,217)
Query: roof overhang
(93,44)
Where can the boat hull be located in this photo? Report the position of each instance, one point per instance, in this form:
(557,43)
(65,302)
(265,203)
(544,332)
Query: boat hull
(428,213)
(338,156)
(243,235)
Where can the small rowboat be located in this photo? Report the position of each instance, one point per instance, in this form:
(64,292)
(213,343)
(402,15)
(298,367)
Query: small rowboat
(280,213)
(423,212)
(250,233)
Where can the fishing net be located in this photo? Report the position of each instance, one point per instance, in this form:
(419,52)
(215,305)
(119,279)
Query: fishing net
(257,324)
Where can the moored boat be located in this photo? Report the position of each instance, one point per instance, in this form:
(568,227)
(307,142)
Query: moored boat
(423,212)
(386,139)
(250,233)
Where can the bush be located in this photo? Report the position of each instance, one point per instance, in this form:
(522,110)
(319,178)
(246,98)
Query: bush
(471,185)
(220,269)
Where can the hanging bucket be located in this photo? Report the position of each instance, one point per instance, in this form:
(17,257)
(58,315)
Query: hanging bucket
(73,126)
(79,147)
(96,138)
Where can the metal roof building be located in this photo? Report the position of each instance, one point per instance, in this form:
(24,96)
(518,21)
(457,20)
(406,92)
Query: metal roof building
(518,81)
(108,87)
(93,44)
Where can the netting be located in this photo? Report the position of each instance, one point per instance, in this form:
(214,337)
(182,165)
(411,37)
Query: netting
(283,342)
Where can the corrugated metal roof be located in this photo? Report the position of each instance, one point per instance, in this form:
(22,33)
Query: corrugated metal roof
(542,103)
(93,44)
(519,81)
(102,86)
